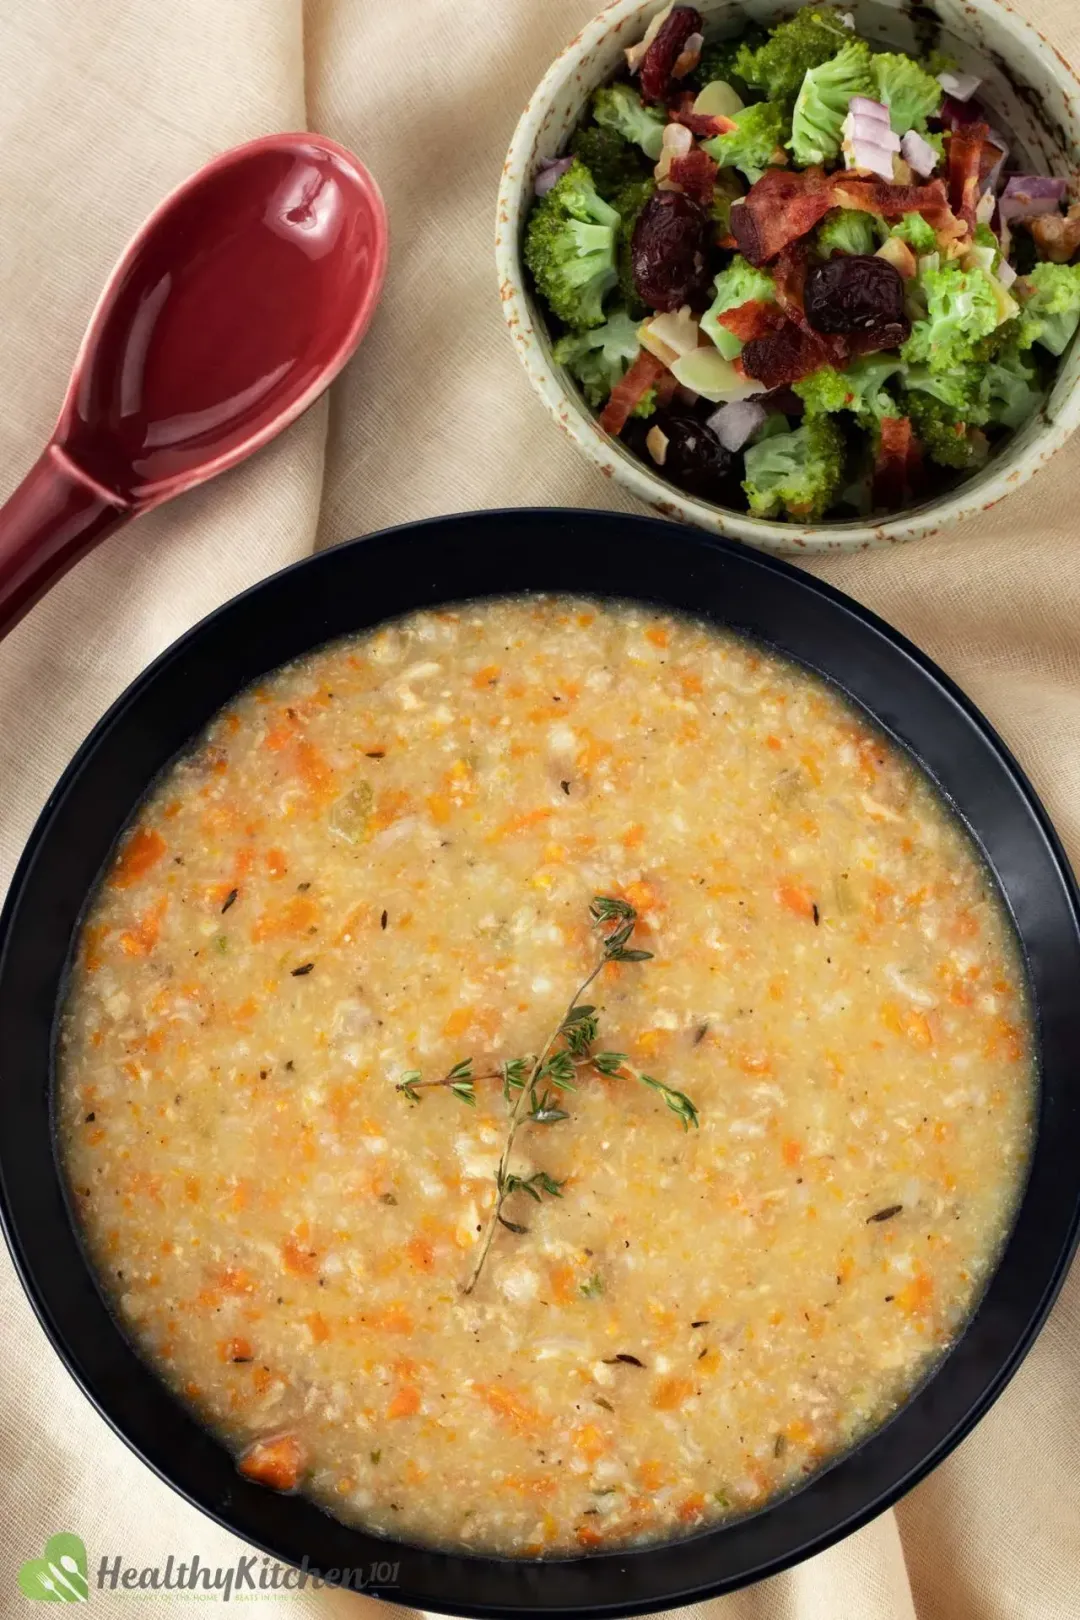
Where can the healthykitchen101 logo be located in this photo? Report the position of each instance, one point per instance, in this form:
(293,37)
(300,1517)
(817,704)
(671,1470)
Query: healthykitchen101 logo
(60,1575)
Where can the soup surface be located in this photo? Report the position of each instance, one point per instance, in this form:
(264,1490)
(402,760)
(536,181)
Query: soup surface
(380,863)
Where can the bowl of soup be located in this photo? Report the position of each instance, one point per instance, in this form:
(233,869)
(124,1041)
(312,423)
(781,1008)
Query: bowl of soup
(539,1061)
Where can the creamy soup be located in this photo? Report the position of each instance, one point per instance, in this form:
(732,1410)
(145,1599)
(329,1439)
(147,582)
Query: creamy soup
(309,999)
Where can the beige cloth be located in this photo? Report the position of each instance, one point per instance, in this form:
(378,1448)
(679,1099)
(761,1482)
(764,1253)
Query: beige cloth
(106,104)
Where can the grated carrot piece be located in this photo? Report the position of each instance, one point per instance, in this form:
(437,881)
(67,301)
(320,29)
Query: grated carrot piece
(796,898)
(278,1463)
(142,851)
(406,1402)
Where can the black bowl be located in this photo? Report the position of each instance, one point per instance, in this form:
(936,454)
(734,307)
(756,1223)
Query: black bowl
(473,556)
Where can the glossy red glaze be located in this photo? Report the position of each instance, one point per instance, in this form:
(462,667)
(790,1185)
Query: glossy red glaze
(236,304)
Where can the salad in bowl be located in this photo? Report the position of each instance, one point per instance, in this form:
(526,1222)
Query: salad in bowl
(801,276)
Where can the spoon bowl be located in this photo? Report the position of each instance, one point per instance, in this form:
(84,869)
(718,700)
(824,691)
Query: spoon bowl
(231,310)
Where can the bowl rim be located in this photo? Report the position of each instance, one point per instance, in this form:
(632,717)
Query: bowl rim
(528,331)
(464,557)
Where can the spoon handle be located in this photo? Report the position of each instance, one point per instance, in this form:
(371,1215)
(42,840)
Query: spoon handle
(56,516)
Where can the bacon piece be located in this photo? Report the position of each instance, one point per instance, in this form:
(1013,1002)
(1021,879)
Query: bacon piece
(785,204)
(704,125)
(779,208)
(965,164)
(891,201)
(899,459)
(695,174)
(787,355)
(667,387)
(754,319)
(645,372)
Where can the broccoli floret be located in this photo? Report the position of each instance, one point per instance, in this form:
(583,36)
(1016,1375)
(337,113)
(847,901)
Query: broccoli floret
(611,162)
(962,389)
(822,103)
(570,248)
(962,306)
(1049,306)
(646,405)
(938,61)
(859,389)
(914,230)
(619,107)
(749,147)
(778,67)
(848,230)
(936,139)
(1011,388)
(799,473)
(599,359)
(738,284)
(945,436)
(718,59)
(911,94)
(628,204)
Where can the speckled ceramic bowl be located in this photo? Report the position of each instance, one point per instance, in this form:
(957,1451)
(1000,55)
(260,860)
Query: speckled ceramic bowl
(1033,93)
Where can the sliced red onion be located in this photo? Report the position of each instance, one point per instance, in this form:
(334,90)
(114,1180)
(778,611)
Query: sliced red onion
(919,154)
(868,155)
(1028,195)
(993,178)
(961,86)
(1005,273)
(864,107)
(954,114)
(734,423)
(551,172)
(861,128)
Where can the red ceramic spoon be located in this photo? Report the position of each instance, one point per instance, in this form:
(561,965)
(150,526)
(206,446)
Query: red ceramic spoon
(236,304)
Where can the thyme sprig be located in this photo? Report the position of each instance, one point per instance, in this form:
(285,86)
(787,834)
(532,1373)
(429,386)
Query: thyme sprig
(532,1085)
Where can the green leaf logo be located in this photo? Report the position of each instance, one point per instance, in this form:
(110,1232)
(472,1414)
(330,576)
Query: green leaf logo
(59,1576)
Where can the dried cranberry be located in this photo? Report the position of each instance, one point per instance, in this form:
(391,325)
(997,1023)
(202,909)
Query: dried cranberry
(665,50)
(856,292)
(695,458)
(669,251)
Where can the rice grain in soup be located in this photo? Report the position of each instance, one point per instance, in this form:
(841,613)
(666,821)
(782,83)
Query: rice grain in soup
(379,862)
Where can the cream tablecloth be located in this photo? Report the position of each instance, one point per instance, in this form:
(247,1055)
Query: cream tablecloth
(105,104)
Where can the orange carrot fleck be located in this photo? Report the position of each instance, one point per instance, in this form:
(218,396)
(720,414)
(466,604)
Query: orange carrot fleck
(298,1256)
(439,808)
(651,1474)
(486,676)
(406,1402)
(315,772)
(276,863)
(295,918)
(672,1392)
(691,1508)
(791,1151)
(143,936)
(796,898)
(563,1283)
(277,1463)
(235,1350)
(142,851)
(512,1408)
(318,1327)
(421,1253)
(657,635)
